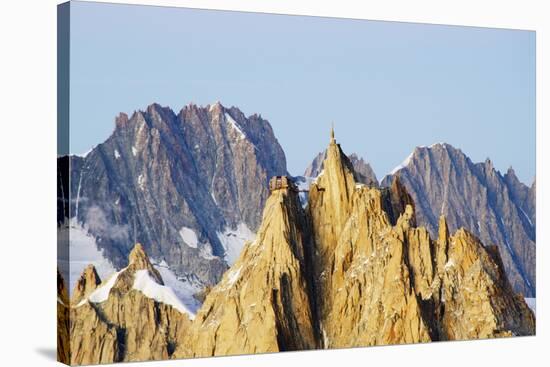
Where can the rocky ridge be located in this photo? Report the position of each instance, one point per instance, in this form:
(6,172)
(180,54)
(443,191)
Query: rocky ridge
(189,186)
(496,208)
(353,269)
(131,316)
(263,303)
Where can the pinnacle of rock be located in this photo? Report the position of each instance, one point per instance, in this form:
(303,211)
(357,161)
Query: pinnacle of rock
(267,289)
(88,282)
(352,269)
(138,260)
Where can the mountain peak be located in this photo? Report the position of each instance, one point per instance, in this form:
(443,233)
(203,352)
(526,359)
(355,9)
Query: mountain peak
(138,257)
(121,119)
(88,282)
(138,260)
(216,107)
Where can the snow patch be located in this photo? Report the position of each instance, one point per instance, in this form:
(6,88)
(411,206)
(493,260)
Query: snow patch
(233,241)
(134,151)
(318,176)
(234,124)
(532,303)
(117,154)
(141,182)
(526,217)
(184,289)
(189,237)
(101,294)
(83,250)
(231,277)
(144,283)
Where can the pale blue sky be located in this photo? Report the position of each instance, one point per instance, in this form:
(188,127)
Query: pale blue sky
(387,86)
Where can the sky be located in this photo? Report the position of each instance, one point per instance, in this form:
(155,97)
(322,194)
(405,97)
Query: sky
(387,86)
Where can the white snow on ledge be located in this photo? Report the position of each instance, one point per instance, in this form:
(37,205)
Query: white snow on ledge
(403,164)
(532,303)
(234,124)
(189,237)
(101,294)
(160,293)
(233,241)
(185,289)
(230,278)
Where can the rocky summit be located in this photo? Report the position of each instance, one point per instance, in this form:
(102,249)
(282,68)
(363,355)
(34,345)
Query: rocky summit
(363,170)
(131,316)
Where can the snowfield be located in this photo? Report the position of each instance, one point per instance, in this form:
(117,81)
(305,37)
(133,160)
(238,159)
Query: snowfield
(183,289)
(189,237)
(83,251)
(160,293)
(233,241)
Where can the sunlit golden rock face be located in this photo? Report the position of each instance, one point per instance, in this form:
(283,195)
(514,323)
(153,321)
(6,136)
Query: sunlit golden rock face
(363,285)
(263,302)
(478,299)
(88,282)
(127,325)
(350,269)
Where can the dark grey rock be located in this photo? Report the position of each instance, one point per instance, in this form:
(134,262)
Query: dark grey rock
(206,169)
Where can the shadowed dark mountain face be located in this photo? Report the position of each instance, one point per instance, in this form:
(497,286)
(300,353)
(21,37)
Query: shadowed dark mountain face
(497,208)
(190,187)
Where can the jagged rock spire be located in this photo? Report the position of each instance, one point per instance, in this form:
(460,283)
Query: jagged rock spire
(138,260)
(332,139)
(88,282)
(267,287)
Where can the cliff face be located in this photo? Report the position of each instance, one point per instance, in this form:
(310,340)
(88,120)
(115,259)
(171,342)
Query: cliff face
(363,284)
(263,302)
(351,269)
(130,317)
(478,299)
(354,270)
(498,209)
(190,186)
(86,284)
